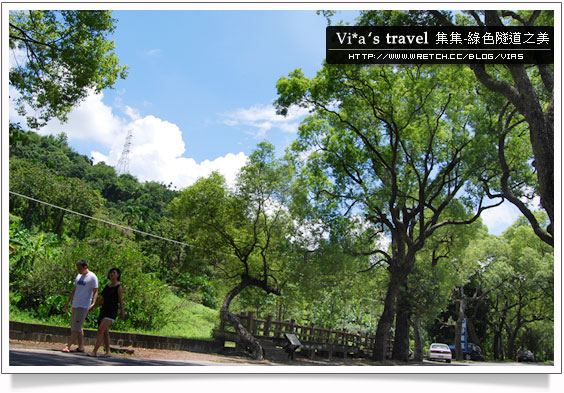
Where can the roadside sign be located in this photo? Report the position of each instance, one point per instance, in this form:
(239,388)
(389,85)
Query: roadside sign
(463,336)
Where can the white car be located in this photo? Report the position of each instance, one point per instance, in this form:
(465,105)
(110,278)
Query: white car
(439,351)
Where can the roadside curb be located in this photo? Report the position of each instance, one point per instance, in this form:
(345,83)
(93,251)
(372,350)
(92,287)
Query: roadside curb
(123,341)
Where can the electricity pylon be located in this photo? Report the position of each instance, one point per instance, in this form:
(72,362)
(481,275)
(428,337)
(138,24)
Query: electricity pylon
(123,163)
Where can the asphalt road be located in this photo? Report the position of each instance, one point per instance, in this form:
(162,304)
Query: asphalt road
(39,357)
(42,357)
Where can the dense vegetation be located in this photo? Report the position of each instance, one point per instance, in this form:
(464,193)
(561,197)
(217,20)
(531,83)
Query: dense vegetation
(371,222)
(324,278)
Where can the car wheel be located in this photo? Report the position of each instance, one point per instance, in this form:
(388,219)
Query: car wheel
(468,357)
(448,360)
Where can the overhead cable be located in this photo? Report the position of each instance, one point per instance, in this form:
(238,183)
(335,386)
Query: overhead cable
(112,223)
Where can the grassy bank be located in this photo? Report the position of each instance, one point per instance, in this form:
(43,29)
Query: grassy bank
(184,318)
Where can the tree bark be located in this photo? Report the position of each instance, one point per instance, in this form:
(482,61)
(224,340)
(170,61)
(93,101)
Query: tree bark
(497,345)
(474,339)
(385,322)
(458,326)
(541,127)
(510,345)
(398,276)
(257,351)
(401,334)
(418,352)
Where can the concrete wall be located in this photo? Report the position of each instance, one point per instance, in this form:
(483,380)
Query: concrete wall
(55,334)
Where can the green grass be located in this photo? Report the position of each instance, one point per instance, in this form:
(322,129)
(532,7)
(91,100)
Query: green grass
(17,315)
(188,319)
(185,319)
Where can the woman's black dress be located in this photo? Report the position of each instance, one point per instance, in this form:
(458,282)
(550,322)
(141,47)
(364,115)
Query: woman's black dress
(111,303)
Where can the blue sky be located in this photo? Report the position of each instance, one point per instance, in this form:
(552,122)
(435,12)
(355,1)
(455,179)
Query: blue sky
(196,69)
(199,92)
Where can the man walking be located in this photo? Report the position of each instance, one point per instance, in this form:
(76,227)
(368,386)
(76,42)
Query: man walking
(83,295)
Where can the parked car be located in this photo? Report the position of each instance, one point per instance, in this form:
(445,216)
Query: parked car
(524,355)
(473,352)
(438,351)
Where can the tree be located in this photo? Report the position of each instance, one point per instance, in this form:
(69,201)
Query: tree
(439,269)
(527,293)
(67,55)
(394,143)
(528,89)
(51,151)
(513,280)
(32,181)
(243,230)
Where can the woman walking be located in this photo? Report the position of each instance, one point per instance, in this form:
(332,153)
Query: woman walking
(111,298)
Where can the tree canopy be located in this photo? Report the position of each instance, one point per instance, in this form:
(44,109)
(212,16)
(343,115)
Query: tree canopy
(397,144)
(61,57)
(526,90)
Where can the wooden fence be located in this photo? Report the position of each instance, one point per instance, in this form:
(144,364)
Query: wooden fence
(312,337)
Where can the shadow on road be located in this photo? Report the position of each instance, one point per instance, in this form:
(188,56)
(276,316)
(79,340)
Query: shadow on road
(58,359)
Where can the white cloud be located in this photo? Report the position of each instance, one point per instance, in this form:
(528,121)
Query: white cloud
(91,120)
(17,57)
(263,118)
(132,113)
(499,218)
(153,52)
(157,145)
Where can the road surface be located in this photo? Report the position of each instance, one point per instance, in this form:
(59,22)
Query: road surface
(53,357)
(41,357)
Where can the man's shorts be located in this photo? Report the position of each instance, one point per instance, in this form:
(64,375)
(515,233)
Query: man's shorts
(77,319)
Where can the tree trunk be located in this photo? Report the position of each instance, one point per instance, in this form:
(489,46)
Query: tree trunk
(381,339)
(472,333)
(458,326)
(418,352)
(542,141)
(82,225)
(29,215)
(497,347)
(256,349)
(385,322)
(59,225)
(401,335)
(511,347)
(541,127)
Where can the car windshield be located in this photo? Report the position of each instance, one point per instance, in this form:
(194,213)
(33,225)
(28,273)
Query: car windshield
(440,346)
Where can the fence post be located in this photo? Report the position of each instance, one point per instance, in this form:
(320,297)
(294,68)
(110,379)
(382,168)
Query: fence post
(292,321)
(311,336)
(267,323)
(358,340)
(251,322)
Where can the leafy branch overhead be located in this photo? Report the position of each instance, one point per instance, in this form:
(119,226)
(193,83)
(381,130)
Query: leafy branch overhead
(527,88)
(60,57)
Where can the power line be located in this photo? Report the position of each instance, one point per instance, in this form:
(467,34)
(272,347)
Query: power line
(114,224)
